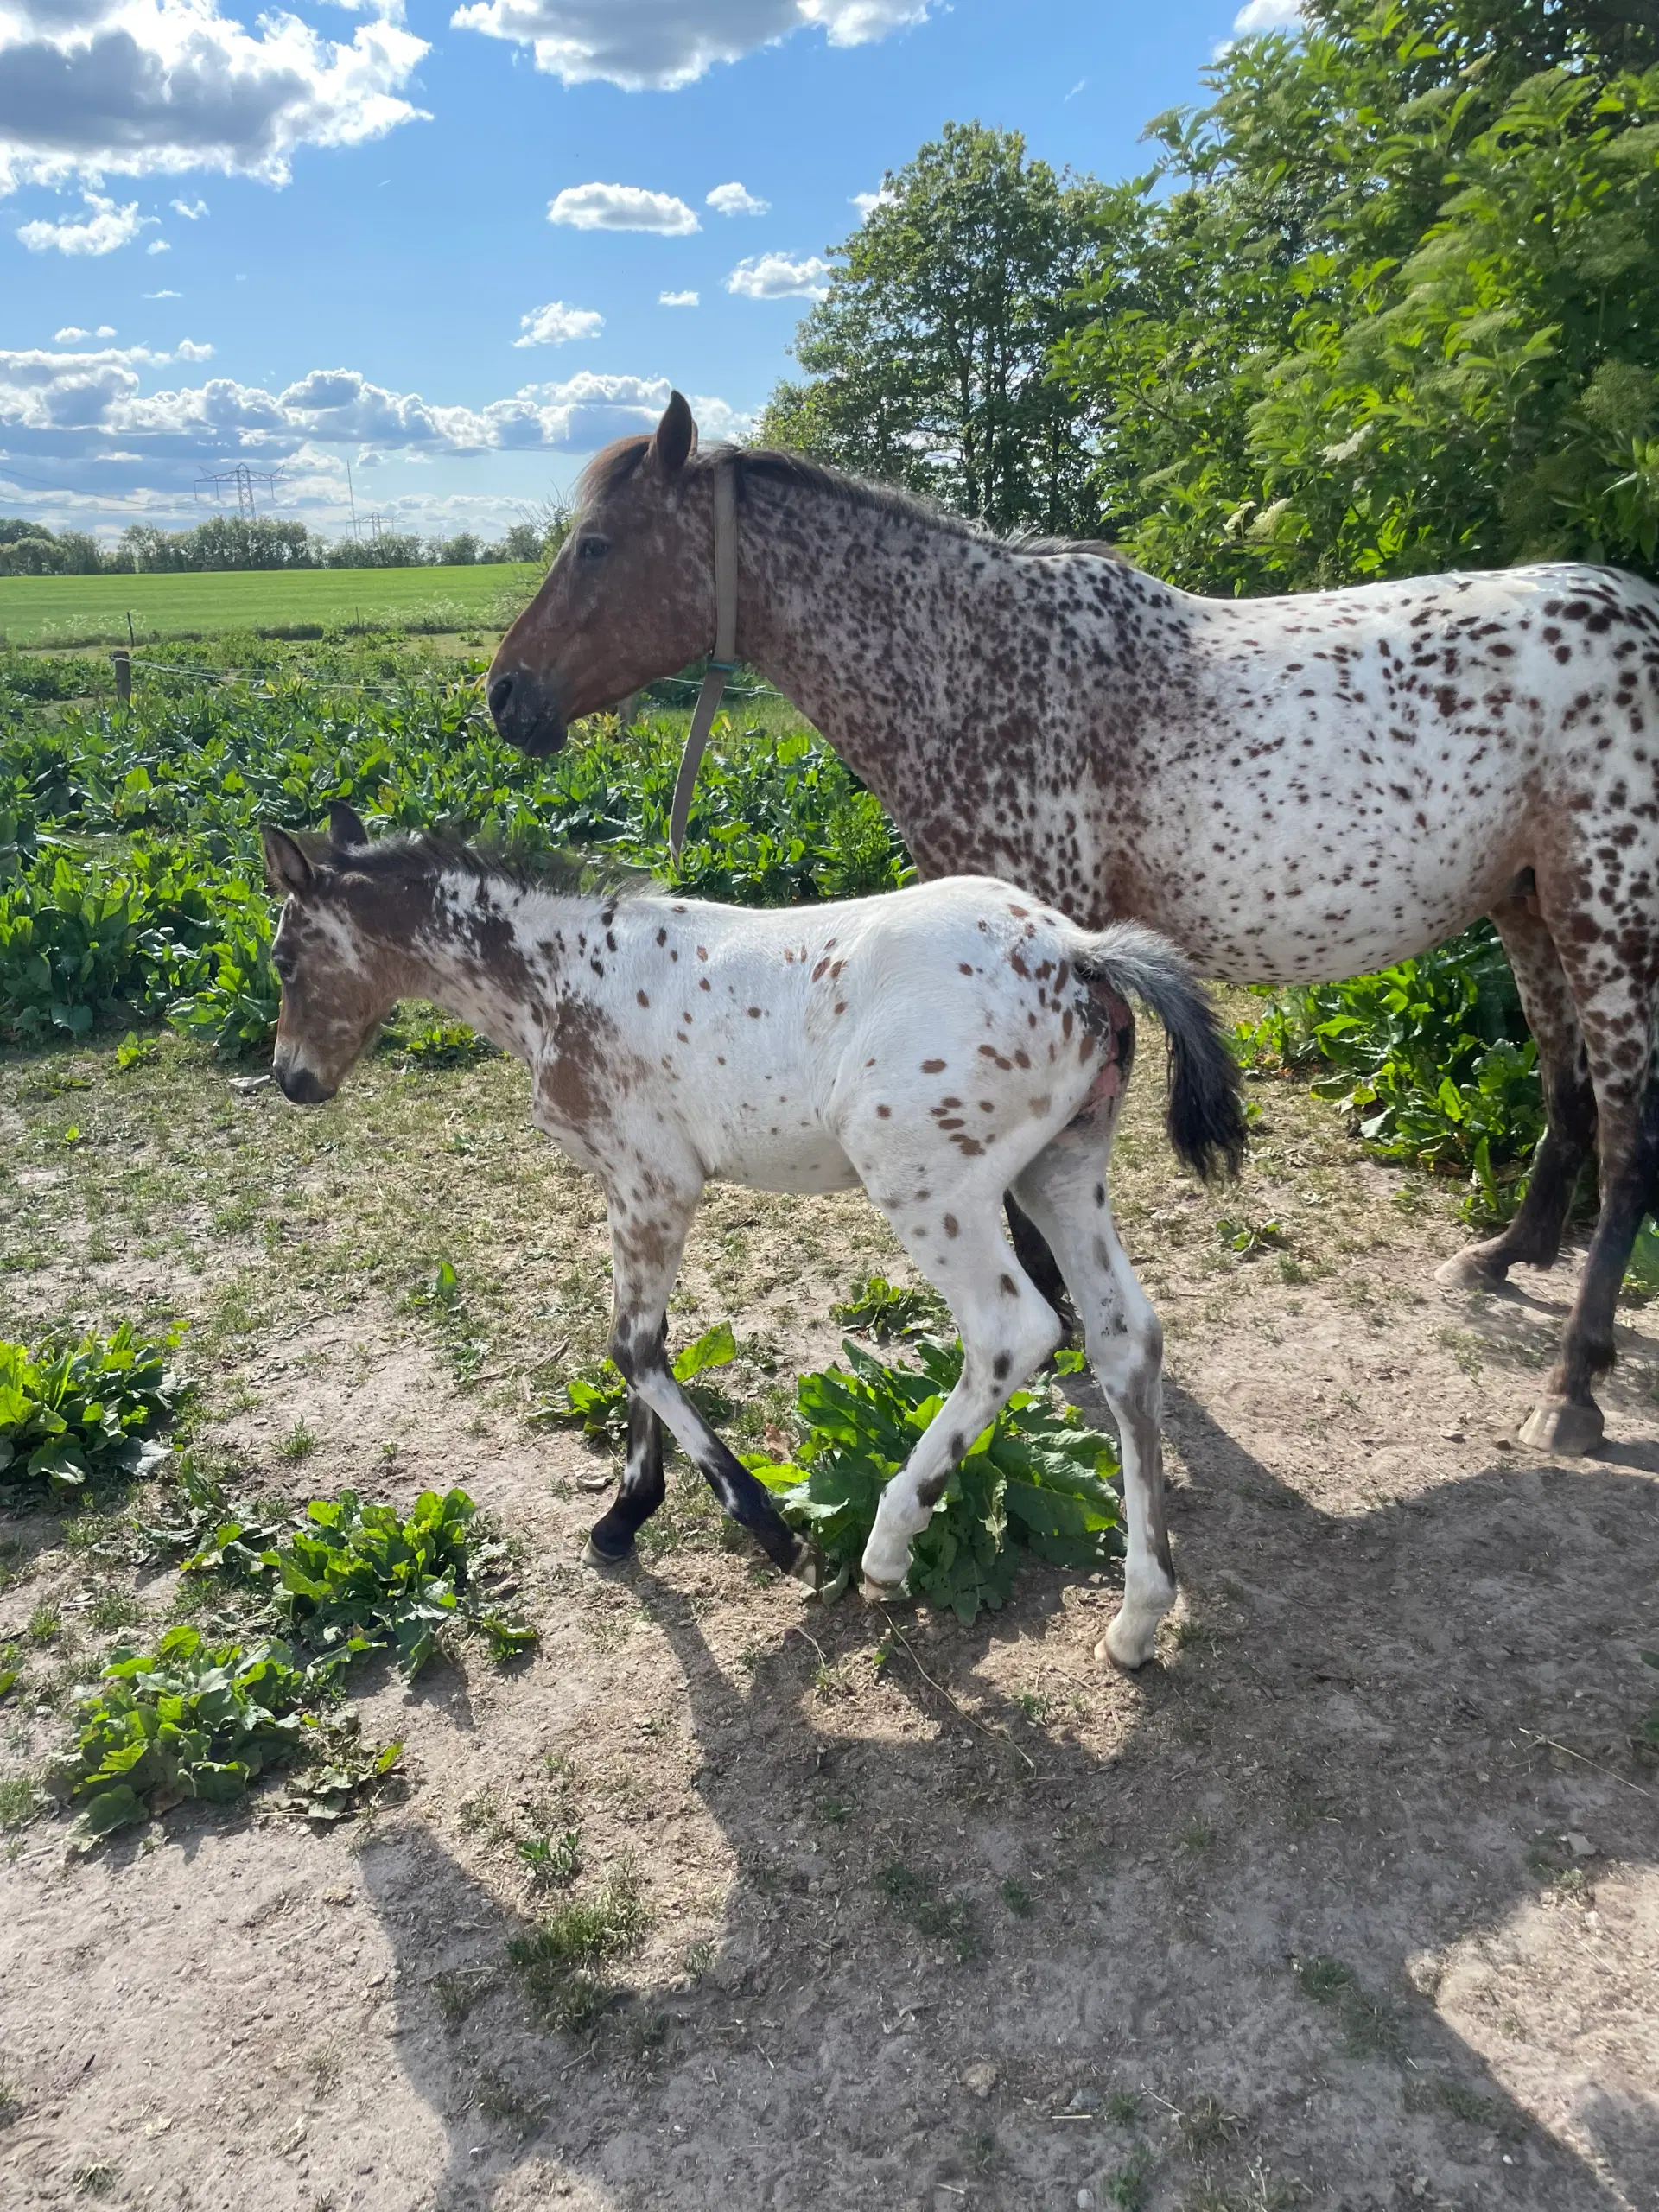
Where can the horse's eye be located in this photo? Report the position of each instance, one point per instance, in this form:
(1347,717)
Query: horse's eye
(593,548)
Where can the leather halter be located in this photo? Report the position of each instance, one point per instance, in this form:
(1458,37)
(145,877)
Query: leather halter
(725,654)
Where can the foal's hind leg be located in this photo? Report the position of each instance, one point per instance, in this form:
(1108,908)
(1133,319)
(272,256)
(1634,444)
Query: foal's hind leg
(1534,1235)
(640,1493)
(1008,1329)
(1063,1190)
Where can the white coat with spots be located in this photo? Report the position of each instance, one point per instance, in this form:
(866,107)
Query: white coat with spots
(938,1045)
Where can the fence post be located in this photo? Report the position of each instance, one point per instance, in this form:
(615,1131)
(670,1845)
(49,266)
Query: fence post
(122,660)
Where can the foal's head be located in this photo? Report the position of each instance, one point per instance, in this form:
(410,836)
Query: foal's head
(338,984)
(630,597)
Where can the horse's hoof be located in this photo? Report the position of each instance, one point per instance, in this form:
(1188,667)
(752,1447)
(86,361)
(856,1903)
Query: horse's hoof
(592,1556)
(880,1593)
(1565,1426)
(1468,1271)
(1127,1647)
(810,1568)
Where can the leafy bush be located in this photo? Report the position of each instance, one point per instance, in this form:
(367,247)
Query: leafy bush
(357,1577)
(189,1719)
(70,1412)
(1431,1061)
(595,1399)
(885,1310)
(1036,1480)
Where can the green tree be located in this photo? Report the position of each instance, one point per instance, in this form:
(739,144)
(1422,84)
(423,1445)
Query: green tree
(928,362)
(1390,302)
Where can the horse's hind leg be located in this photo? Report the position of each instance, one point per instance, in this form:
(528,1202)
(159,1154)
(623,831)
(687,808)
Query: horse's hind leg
(639,1494)
(1534,1235)
(1613,987)
(1063,1190)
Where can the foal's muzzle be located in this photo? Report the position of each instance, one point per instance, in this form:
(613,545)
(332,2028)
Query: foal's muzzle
(523,709)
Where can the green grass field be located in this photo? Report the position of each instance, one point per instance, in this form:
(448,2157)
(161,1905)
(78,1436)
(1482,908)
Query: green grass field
(93,610)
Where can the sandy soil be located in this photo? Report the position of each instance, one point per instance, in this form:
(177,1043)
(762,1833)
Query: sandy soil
(1349,1901)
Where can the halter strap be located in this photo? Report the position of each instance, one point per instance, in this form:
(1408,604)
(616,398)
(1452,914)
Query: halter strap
(725,654)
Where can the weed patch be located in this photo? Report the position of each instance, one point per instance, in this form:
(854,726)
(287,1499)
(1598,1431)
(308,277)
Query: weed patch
(70,1413)
(563,1967)
(916,1899)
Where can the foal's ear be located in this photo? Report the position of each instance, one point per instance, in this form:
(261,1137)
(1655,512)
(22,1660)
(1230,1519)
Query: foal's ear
(346,830)
(676,438)
(287,870)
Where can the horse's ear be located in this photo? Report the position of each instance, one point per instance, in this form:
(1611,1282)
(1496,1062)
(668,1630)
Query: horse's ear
(346,830)
(287,870)
(676,438)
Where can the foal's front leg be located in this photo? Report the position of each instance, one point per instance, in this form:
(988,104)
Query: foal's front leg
(645,1260)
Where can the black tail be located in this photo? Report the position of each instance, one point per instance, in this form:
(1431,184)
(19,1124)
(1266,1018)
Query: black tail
(1206,1108)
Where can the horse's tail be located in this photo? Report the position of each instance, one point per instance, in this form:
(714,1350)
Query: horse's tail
(1206,1107)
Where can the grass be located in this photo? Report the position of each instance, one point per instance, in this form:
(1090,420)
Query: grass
(563,1967)
(90,610)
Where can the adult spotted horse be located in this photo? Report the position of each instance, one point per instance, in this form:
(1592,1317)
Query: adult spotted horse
(1293,789)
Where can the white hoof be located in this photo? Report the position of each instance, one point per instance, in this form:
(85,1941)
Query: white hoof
(1562,1426)
(1130,1641)
(882,1594)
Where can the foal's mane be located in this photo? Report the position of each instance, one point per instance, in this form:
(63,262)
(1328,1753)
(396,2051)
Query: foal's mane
(609,470)
(419,855)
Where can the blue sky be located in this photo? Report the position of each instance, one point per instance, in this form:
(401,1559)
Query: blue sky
(308,239)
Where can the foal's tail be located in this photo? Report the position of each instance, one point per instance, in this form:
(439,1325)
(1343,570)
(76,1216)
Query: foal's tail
(1206,1108)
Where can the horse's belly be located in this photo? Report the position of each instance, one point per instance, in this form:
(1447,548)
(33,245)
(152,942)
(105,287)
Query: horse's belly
(807,1161)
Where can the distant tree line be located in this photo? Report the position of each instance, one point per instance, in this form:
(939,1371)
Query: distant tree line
(1388,302)
(28,549)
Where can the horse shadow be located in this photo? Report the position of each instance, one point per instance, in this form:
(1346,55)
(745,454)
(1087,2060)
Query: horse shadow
(974,1952)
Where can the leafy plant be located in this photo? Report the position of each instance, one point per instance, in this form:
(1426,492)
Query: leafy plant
(358,1577)
(595,1399)
(1036,1480)
(885,1310)
(73,1412)
(189,1719)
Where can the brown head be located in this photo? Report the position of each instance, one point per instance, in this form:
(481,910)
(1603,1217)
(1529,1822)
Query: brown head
(338,984)
(631,596)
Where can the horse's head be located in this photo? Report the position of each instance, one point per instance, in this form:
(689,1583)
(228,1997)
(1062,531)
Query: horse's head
(336,992)
(630,597)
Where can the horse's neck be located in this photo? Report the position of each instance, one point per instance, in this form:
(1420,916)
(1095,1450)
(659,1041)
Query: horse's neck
(494,961)
(887,632)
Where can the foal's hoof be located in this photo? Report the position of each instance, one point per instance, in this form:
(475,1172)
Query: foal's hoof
(1468,1271)
(880,1593)
(1565,1426)
(592,1556)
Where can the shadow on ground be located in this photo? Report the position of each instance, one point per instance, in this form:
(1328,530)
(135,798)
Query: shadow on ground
(1175,1937)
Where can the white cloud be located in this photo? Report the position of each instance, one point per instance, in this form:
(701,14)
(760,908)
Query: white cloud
(70,406)
(158,245)
(73,334)
(144,87)
(105,229)
(163,295)
(554,324)
(187,350)
(1268,15)
(775,276)
(658,45)
(192,211)
(867,202)
(676,299)
(621,208)
(736,200)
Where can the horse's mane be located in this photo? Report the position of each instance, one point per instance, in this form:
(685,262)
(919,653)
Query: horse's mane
(609,470)
(418,855)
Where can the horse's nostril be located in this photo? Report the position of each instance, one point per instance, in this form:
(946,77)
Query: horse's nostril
(500,695)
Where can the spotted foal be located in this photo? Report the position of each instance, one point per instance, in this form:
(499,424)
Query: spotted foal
(939,1045)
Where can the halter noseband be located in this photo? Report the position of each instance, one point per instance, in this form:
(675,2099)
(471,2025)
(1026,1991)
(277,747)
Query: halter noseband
(725,654)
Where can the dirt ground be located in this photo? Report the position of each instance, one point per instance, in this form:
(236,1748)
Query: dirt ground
(1349,1900)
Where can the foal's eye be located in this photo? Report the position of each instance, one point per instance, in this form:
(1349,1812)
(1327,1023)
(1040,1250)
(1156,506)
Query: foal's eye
(593,548)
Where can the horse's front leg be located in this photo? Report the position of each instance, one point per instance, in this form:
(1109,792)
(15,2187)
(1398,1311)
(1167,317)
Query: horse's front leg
(645,1260)
(640,1493)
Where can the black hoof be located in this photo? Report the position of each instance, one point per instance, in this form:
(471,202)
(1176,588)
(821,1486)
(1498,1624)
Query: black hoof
(595,1554)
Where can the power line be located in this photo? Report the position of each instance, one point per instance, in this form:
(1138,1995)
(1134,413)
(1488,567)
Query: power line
(242,480)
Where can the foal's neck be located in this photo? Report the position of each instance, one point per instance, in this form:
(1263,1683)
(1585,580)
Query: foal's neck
(495,953)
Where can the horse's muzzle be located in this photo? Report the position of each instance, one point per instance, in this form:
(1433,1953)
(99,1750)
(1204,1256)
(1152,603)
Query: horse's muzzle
(523,709)
(300,1086)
